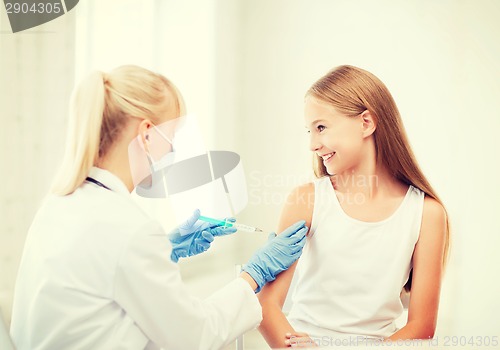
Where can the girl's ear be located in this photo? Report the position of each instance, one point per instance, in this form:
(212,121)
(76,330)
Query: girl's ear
(369,124)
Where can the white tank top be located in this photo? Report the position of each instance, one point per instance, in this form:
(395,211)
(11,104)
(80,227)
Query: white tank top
(350,275)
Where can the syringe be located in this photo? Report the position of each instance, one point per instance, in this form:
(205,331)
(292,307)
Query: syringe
(227,223)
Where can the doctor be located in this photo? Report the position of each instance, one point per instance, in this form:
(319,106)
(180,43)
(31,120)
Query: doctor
(97,272)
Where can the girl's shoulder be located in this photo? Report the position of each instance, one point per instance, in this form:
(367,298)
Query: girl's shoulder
(299,205)
(302,195)
(434,213)
(434,231)
(307,187)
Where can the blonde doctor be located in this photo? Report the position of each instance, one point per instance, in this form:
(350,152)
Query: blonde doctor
(97,272)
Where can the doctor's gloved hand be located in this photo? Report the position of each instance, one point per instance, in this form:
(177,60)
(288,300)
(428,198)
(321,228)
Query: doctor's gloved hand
(277,255)
(194,237)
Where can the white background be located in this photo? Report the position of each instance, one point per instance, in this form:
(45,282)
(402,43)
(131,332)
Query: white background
(243,68)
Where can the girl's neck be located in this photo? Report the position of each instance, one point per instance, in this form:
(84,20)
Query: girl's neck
(369,180)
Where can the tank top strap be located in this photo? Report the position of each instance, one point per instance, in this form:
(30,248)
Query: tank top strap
(322,201)
(413,209)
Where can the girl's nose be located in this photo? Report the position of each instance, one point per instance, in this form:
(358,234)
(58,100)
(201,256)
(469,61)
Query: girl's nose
(314,145)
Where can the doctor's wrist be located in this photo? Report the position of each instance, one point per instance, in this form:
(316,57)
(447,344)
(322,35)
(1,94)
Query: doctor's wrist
(246,276)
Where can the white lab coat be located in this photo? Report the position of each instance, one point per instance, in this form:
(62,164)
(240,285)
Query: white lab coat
(96,274)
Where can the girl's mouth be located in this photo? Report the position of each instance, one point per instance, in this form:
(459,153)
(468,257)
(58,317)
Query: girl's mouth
(327,157)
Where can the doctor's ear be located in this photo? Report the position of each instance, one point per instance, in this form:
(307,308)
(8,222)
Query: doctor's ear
(369,124)
(144,130)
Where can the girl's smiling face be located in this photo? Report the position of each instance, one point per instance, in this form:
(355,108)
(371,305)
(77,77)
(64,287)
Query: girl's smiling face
(336,138)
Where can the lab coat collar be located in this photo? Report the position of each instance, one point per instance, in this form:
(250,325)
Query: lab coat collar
(109,180)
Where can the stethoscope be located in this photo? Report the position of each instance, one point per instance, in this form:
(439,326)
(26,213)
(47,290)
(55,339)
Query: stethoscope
(100,184)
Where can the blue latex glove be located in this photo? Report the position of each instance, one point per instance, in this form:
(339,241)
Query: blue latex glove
(277,255)
(194,237)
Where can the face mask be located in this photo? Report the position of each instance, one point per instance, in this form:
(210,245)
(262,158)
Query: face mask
(153,185)
(155,153)
(166,160)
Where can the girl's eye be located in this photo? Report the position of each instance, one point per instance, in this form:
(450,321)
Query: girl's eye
(320,128)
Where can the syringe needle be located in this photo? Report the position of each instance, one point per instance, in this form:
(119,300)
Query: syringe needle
(239,226)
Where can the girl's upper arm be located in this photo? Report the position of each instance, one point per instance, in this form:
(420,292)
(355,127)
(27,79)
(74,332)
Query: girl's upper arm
(428,268)
(298,206)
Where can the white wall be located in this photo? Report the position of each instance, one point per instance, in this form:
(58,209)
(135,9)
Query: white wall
(36,77)
(243,67)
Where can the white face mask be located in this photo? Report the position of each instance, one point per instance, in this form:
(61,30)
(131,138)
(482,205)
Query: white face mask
(149,177)
(154,154)
(166,160)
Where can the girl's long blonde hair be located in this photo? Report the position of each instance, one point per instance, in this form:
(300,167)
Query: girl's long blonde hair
(351,91)
(100,108)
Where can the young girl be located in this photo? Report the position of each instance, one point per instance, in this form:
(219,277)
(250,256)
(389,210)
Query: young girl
(377,226)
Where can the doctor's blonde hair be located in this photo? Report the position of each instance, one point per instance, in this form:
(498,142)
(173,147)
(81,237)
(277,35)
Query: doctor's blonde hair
(351,91)
(100,108)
